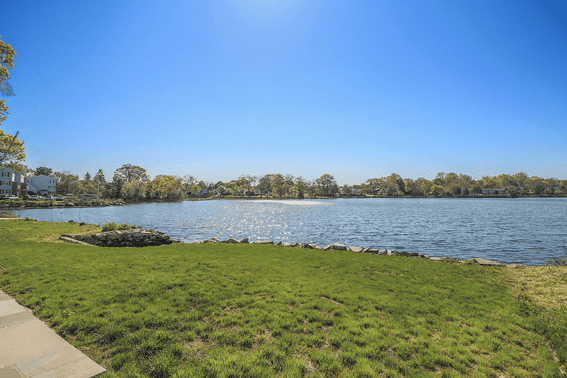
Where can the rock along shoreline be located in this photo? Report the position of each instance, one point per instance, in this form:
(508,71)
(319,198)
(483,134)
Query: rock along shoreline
(343,247)
(146,238)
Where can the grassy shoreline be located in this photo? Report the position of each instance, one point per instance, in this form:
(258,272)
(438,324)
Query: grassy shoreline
(260,310)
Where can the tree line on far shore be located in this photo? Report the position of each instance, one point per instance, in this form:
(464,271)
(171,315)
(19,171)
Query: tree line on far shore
(132,183)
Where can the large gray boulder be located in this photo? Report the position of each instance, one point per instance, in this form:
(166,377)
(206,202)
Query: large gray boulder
(355,249)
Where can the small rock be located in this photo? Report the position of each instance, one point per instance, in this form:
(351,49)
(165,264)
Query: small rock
(230,241)
(485,262)
(355,249)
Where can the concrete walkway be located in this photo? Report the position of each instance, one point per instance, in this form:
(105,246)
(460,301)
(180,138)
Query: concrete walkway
(29,348)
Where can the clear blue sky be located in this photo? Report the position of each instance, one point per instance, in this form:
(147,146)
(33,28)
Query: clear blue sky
(357,89)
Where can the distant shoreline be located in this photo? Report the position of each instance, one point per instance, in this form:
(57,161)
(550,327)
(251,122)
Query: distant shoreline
(5,205)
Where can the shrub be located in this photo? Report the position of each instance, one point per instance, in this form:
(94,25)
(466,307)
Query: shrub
(111,226)
(557,261)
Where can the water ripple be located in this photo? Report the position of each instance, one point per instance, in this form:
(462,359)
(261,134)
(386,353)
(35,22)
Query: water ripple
(527,231)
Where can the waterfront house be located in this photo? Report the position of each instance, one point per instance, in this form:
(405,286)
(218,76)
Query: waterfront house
(42,185)
(12,182)
(203,193)
(493,191)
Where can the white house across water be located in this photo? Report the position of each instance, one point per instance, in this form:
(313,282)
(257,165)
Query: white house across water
(12,182)
(42,185)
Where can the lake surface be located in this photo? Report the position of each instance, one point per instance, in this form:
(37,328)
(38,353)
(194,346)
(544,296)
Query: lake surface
(526,230)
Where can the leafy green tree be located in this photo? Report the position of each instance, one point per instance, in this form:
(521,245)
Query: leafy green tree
(134,191)
(265,184)
(513,191)
(19,167)
(395,185)
(100,181)
(43,171)
(424,186)
(439,179)
(130,173)
(247,182)
(536,185)
(16,152)
(327,185)
(375,184)
(7,55)
(99,177)
(302,187)
(410,186)
(114,188)
(167,187)
(465,181)
(87,187)
(453,189)
(290,189)
(88,177)
(188,181)
(490,182)
(451,178)
(477,189)
(278,181)
(438,191)
(67,183)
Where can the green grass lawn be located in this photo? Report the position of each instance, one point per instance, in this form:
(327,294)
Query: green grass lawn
(222,310)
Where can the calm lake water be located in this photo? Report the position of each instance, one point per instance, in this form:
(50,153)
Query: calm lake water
(528,231)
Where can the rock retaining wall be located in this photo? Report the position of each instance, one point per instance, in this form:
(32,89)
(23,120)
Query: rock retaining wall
(126,238)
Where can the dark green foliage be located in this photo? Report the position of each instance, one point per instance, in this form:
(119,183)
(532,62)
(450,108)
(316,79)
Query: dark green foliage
(111,226)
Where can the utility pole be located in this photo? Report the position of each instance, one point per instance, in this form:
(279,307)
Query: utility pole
(8,150)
